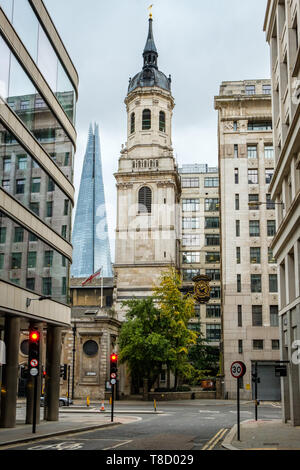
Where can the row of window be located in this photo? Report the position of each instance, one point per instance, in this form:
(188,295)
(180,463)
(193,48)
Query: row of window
(254,228)
(257,310)
(258,345)
(16,260)
(252,151)
(189,274)
(146,121)
(209,182)
(253,176)
(252,200)
(256,283)
(255,255)
(47,288)
(212,310)
(194,222)
(193,205)
(20,234)
(22,162)
(251,89)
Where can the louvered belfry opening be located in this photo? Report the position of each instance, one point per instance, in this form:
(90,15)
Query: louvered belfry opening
(145,200)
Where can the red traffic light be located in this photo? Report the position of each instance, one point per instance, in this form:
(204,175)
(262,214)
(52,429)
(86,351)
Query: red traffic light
(34,336)
(113,357)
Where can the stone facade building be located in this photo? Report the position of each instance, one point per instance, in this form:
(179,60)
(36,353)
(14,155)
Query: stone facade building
(248,267)
(282,32)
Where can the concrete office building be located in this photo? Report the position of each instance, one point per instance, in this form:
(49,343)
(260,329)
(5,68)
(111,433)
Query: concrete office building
(38,92)
(248,268)
(200,244)
(282,33)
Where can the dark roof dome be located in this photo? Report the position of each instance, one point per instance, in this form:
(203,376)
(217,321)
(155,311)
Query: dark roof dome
(150,75)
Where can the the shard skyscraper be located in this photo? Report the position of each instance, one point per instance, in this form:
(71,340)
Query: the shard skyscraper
(91,250)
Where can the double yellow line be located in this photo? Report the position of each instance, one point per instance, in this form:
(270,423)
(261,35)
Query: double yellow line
(214,440)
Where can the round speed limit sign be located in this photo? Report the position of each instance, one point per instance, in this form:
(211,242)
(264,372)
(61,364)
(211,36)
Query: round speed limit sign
(238,369)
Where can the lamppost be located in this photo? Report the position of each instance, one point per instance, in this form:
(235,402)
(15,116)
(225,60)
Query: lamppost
(74,352)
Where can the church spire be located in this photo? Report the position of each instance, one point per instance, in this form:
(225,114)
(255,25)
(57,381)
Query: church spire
(150,53)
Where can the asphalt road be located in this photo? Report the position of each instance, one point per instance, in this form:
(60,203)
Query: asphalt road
(188,426)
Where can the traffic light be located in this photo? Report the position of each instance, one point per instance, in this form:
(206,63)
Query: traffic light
(34,352)
(113,365)
(63,371)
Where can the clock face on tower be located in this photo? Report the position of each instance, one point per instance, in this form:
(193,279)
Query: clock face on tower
(202,288)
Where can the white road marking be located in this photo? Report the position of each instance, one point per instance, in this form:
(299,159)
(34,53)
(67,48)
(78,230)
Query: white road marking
(118,445)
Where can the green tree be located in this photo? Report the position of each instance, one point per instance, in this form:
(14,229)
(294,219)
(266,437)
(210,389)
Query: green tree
(175,310)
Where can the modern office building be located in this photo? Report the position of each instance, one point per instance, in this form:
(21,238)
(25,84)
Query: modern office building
(282,33)
(200,244)
(38,93)
(91,250)
(247,227)
(148,185)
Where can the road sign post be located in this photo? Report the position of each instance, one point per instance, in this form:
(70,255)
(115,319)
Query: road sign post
(113,380)
(238,370)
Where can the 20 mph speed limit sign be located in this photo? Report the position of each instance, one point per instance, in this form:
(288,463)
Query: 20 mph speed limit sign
(238,369)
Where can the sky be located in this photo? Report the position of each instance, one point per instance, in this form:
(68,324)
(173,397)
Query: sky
(200,44)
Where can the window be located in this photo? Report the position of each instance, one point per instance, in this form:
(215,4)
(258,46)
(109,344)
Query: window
(212,222)
(212,240)
(258,344)
(190,240)
(51,185)
(255,255)
(2,234)
(48,259)
(271,259)
(254,228)
(145,200)
(269,151)
(47,286)
(20,186)
(25,104)
(252,151)
(39,102)
(257,319)
(6,185)
(271,228)
(35,185)
(2,255)
(211,182)
(214,274)
(63,261)
(236,176)
(274,319)
(22,162)
(190,182)
(132,123)
(250,89)
(19,235)
(30,283)
(191,257)
(275,344)
(35,207)
(255,282)
(238,283)
(213,332)
(67,159)
(252,199)
(190,205)
(64,286)
(213,311)
(270,204)
(213,257)
(190,222)
(146,122)
(260,126)
(236,151)
(235,125)
(240,316)
(215,292)
(237,228)
(273,286)
(266,89)
(66,207)
(269,174)
(49,209)
(240,346)
(31,259)
(162,121)
(237,202)
(252,176)
(6,165)
(211,205)
(238,255)
(197,310)
(32,237)
(189,274)
(16,260)
(64,231)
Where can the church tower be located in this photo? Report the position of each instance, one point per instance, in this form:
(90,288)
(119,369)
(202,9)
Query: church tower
(148,184)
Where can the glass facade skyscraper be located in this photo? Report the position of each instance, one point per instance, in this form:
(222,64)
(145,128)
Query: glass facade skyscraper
(91,250)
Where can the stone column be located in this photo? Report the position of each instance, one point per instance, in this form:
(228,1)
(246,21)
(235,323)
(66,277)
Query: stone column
(30,384)
(9,387)
(52,382)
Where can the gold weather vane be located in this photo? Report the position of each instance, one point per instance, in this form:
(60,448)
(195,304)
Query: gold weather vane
(150,11)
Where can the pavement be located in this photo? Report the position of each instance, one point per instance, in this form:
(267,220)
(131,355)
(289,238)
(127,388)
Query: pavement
(263,435)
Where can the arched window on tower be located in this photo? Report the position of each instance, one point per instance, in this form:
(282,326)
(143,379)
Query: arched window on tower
(146,122)
(145,200)
(132,123)
(162,121)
